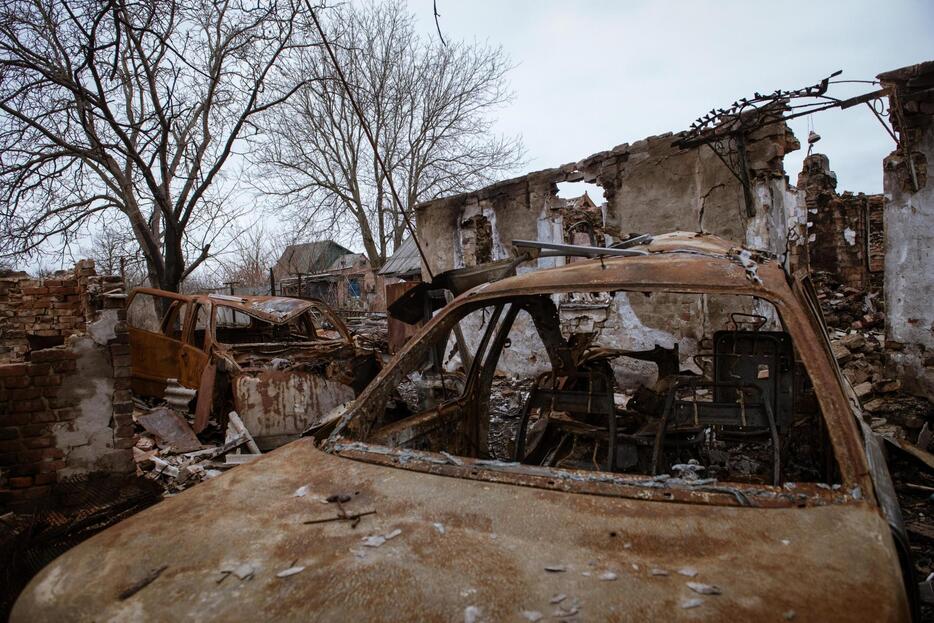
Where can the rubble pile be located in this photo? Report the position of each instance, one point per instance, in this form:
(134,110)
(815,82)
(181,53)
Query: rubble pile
(847,307)
(168,451)
(370,331)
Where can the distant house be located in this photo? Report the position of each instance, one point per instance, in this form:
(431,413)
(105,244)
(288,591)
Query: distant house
(405,263)
(308,258)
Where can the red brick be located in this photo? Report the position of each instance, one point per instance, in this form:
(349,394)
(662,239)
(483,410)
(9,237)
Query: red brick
(30,456)
(39,369)
(34,443)
(37,492)
(9,432)
(64,366)
(51,466)
(29,469)
(52,354)
(122,419)
(51,380)
(125,443)
(53,453)
(124,431)
(28,393)
(21,482)
(44,417)
(27,406)
(13,382)
(13,369)
(11,445)
(45,479)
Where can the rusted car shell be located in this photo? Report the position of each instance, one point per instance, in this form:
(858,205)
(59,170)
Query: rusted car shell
(493,540)
(689,263)
(465,544)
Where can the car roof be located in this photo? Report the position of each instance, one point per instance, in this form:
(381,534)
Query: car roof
(274,309)
(685,261)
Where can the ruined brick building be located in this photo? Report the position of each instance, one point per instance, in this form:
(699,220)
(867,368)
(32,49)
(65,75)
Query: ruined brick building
(65,401)
(656,185)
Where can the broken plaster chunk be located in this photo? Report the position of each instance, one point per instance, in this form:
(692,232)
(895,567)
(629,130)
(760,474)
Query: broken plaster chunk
(378,539)
(241,571)
(658,571)
(471,614)
(439,527)
(290,571)
(704,589)
(608,576)
(301,492)
(688,572)
(556,568)
(691,602)
(557,599)
(531,615)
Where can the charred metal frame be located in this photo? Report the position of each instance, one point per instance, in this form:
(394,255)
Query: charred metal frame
(684,263)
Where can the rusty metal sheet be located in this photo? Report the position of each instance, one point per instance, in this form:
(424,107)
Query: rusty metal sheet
(465,544)
(283,403)
(171,429)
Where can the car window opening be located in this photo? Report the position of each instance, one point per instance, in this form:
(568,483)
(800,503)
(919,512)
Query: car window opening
(702,387)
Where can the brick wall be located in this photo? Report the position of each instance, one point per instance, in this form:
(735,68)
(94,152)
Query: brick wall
(64,409)
(845,238)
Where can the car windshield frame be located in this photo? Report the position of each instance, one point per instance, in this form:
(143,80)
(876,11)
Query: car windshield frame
(799,324)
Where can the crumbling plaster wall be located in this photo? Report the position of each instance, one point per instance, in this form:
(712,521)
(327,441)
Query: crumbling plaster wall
(909,228)
(67,409)
(651,186)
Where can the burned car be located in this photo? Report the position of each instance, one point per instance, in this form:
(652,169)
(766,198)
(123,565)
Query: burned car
(280,362)
(660,436)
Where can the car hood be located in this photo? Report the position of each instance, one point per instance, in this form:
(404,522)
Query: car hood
(462,550)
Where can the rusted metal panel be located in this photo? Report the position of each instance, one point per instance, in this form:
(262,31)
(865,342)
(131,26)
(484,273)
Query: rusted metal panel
(279,403)
(463,544)
(399,332)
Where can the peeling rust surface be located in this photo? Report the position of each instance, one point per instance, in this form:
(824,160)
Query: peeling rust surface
(491,553)
(285,402)
(282,383)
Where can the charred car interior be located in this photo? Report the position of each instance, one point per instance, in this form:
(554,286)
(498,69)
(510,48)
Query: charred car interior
(734,404)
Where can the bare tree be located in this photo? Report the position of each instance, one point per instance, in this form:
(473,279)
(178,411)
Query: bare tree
(249,258)
(133,108)
(428,108)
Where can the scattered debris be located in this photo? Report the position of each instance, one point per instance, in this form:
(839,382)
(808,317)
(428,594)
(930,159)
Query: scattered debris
(557,599)
(172,432)
(290,571)
(691,602)
(439,527)
(301,492)
(471,614)
(142,583)
(658,571)
(608,576)
(531,615)
(377,540)
(688,572)
(241,571)
(704,589)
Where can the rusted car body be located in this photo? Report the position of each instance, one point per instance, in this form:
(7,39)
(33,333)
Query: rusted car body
(405,509)
(280,362)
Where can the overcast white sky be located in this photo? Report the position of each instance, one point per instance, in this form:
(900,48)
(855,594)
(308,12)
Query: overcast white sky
(591,75)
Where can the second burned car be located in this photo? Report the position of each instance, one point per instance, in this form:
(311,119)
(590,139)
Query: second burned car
(280,362)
